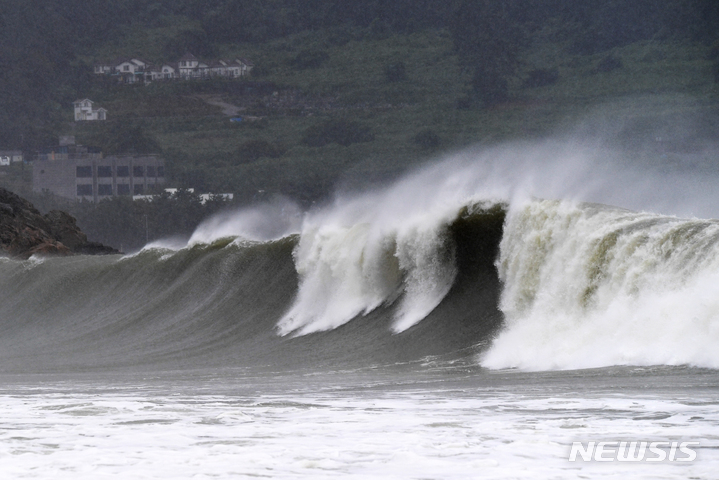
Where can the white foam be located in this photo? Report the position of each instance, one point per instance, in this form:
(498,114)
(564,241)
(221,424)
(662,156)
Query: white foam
(137,432)
(259,223)
(371,249)
(348,270)
(586,286)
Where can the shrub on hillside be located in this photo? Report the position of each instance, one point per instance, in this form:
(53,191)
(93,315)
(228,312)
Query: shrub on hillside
(427,139)
(714,56)
(124,138)
(490,89)
(541,77)
(309,59)
(253,150)
(395,72)
(608,64)
(194,41)
(713,51)
(343,132)
(341,35)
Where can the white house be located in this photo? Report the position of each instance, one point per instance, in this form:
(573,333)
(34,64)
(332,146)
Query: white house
(132,70)
(191,67)
(245,65)
(188,62)
(130,65)
(10,156)
(166,71)
(188,65)
(84,111)
(105,68)
(230,68)
(218,68)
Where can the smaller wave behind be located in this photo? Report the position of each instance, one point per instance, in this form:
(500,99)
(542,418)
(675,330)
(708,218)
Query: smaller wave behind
(590,286)
(261,223)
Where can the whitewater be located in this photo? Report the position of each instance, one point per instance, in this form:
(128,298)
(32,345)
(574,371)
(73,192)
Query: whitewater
(470,320)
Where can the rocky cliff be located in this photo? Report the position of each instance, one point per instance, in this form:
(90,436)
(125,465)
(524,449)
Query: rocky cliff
(24,231)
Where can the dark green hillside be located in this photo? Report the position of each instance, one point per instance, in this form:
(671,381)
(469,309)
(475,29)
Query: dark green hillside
(347,92)
(286,107)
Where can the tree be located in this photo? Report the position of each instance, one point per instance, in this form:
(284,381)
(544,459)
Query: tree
(487,40)
(194,41)
(127,138)
(35,49)
(340,131)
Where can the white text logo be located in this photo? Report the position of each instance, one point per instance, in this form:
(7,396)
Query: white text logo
(639,451)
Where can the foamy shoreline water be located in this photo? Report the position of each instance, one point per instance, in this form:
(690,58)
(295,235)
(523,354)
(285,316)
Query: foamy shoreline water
(477,426)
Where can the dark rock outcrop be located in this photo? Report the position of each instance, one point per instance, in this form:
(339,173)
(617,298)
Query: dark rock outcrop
(24,231)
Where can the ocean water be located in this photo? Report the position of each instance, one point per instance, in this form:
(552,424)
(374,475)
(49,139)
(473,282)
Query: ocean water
(411,421)
(472,320)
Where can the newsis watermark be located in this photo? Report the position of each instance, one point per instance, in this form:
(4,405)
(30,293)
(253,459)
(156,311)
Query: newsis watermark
(633,451)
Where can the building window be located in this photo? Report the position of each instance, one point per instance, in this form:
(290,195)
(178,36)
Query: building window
(123,171)
(125,68)
(160,171)
(150,171)
(104,189)
(138,171)
(105,172)
(83,172)
(84,190)
(123,189)
(138,189)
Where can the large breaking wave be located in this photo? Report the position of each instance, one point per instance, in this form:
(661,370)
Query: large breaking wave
(427,266)
(588,286)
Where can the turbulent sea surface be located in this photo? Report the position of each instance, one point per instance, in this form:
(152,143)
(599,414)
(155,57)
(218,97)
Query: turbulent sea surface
(465,322)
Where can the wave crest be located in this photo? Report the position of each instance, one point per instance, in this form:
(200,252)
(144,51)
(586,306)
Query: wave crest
(590,286)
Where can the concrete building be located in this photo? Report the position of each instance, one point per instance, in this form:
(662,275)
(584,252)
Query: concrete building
(77,172)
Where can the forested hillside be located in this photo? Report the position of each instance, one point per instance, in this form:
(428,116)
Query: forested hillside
(44,44)
(342,92)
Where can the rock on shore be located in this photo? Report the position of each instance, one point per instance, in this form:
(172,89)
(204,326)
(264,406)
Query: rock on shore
(24,231)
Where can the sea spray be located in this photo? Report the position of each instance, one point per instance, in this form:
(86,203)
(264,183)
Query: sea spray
(263,222)
(391,246)
(589,286)
(345,271)
(351,268)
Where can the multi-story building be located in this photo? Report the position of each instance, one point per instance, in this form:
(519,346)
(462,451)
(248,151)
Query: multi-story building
(78,172)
